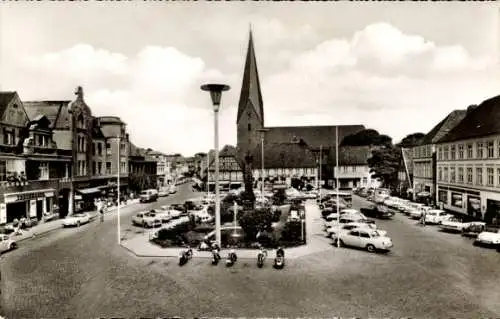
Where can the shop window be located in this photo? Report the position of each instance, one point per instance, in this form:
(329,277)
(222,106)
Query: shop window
(460,174)
(490,149)
(457,200)
(48,204)
(480,150)
(461,151)
(474,206)
(479,176)
(470,152)
(469,175)
(453,152)
(490,176)
(443,196)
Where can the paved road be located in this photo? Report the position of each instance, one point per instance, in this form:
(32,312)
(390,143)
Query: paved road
(83,274)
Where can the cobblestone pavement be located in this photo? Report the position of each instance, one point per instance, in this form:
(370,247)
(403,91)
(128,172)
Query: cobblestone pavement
(83,273)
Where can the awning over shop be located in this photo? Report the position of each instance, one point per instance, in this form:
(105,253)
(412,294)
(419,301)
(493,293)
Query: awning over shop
(87,191)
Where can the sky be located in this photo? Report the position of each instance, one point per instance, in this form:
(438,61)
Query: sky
(399,68)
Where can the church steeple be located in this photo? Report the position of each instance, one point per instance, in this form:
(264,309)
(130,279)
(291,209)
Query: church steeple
(250,88)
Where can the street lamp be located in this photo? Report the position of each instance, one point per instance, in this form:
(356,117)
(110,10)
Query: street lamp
(262,131)
(216,95)
(118,140)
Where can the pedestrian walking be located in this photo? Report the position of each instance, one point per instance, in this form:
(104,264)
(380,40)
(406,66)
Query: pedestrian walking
(422,219)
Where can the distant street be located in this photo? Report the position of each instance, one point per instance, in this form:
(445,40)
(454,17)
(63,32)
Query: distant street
(83,273)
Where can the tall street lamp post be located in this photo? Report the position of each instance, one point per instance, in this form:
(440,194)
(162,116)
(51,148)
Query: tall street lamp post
(216,95)
(262,131)
(118,164)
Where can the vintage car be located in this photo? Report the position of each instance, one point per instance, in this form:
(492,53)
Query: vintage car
(490,236)
(371,240)
(377,211)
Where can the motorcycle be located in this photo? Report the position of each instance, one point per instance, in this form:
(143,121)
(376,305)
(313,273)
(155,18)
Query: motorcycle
(185,256)
(279,262)
(231,259)
(260,259)
(215,257)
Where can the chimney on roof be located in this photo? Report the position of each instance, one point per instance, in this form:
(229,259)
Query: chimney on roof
(471,108)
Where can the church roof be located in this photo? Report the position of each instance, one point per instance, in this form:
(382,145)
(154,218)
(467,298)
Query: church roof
(313,136)
(250,87)
(284,155)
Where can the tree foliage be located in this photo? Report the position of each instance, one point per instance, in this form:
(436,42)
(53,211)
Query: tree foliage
(255,220)
(411,140)
(384,164)
(366,138)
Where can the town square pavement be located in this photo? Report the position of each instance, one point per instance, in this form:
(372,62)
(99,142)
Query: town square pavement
(84,273)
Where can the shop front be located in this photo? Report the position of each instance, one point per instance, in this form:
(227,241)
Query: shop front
(460,200)
(492,215)
(474,206)
(29,204)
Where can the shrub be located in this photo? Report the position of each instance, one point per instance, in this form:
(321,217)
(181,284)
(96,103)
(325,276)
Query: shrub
(253,221)
(279,197)
(292,232)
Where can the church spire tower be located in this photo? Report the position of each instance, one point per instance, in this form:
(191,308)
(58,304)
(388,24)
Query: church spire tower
(250,96)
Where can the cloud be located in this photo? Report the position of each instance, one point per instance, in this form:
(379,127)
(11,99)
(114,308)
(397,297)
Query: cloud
(380,76)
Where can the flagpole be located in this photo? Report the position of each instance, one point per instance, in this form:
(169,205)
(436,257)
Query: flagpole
(337,178)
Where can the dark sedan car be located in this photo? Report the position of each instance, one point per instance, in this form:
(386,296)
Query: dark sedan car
(377,211)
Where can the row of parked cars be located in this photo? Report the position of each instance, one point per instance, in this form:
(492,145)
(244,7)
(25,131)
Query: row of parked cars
(485,235)
(350,227)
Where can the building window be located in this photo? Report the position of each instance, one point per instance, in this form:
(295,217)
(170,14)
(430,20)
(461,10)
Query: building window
(445,177)
(498,177)
(479,176)
(453,152)
(461,151)
(440,174)
(443,196)
(480,150)
(460,174)
(8,136)
(99,168)
(108,168)
(456,200)
(445,153)
(491,176)
(3,171)
(470,151)
(108,148)
(93,149)
(452,175)
(99,149)
(94,168)
(440,153)
(469,175)
(490,149)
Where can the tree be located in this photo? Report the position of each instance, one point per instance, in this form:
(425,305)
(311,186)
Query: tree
(279,197)
(411,140)
(384,164)
(366,138)
(254,221)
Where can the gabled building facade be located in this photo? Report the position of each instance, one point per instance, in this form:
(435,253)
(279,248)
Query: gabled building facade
(424,157)
(33,168)
(230,173)
(468,164)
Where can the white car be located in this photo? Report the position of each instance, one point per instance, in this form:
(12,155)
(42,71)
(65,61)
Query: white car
(173,213)
(455,224)
(371,240)
(76,220)
(436,216)
(6,243)
(332,231)
(146,219)
(489,236)
(163,215)
(172,190)
(416,213)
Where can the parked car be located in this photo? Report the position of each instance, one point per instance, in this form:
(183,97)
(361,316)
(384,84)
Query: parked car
(371,240)
(76,220)
(377,211)
(172,190)
(473,230)
(416,213)
(146,219)
(173,211)
(490,236)
(163,215)
(455,224)
(437,216)
(163,193)
(6,243)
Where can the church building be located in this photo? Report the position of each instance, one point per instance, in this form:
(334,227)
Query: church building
(289,151)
